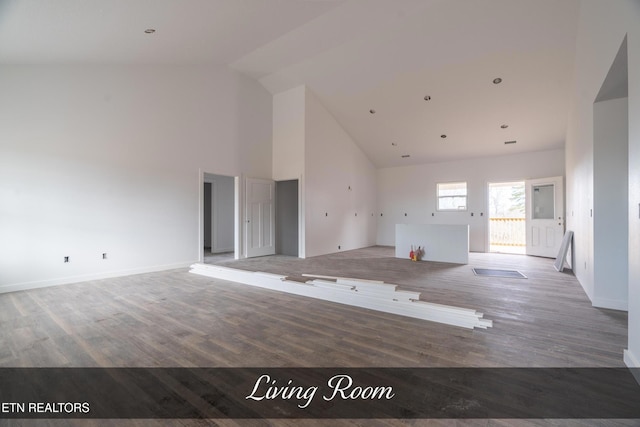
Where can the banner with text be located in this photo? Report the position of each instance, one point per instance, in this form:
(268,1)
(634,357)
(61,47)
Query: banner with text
(403,393)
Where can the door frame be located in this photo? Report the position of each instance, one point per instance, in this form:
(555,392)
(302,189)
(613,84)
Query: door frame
(237,212)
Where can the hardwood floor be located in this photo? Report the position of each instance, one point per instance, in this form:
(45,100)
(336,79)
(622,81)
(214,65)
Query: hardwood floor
(544,320)
(177,319)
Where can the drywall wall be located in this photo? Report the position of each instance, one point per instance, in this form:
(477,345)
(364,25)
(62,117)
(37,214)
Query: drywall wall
(407,195)
(288,134)
(340,186)
(602,28)
(107,159)
(610,203)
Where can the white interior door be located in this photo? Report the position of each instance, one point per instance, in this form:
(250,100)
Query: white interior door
(260,217)
(545,216)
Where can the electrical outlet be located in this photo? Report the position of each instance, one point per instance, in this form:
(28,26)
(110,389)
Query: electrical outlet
(104,255)
(66,259)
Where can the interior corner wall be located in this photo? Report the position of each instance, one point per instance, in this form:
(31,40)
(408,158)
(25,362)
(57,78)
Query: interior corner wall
(108,159)
(602,27)
(288,134)
(288,151)
(340,186)
(610,201)
(407,194)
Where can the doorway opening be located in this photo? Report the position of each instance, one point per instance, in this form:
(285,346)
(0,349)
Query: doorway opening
(287,226)
(507,217)
(218,224)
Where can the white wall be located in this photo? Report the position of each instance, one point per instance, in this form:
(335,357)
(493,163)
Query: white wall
(611,207)
(100,159)
(340,186)
(288,149)
(288,134)
(411,190)
(601,30)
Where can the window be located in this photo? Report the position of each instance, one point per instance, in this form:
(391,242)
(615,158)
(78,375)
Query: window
(452,196)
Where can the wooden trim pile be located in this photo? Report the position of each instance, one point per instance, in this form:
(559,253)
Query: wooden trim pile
(371,294)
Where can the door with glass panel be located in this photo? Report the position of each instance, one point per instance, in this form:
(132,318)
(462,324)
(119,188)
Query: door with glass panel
(545,216)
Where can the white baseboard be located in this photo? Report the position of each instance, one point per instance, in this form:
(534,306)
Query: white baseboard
(87,277)
(612,304)
(222,250)
(630,360)
(633,363)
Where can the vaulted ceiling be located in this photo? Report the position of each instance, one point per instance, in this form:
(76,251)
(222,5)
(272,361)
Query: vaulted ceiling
(357,56)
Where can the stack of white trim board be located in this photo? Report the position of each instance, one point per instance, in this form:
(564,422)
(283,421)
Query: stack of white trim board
(371,294)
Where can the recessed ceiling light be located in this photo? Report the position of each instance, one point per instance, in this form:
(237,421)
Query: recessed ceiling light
(405,156)
(427,98)
(372,111)
(149,31)
(443,136)
(509,142)
(497,81)
(504,126)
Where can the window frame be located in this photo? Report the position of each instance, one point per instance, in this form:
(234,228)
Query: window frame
(439,197)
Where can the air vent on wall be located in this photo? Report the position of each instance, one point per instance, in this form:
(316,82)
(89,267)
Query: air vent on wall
(509,142)
(405,156)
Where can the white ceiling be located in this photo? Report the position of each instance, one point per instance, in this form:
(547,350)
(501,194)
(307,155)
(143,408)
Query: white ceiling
(355,55)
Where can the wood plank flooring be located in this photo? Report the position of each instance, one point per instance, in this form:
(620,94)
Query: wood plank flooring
(175,319)
(544,320)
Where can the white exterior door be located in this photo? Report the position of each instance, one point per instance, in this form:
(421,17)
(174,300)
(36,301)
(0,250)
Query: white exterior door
(260,217)
(545,216)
